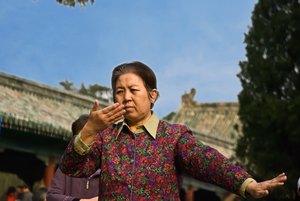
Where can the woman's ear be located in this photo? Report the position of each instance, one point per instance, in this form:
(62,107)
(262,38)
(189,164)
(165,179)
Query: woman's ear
(153,95)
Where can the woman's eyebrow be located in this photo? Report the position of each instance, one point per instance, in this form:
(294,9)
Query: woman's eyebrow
(130,86)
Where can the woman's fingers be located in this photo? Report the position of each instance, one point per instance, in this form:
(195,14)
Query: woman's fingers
(95,106)
(116,113)
(107,116)
(262,189)
(282,177)
(277,181)
(112,109)
(111,112)
(119,115)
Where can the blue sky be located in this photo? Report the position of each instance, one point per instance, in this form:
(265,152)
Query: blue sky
(192,43)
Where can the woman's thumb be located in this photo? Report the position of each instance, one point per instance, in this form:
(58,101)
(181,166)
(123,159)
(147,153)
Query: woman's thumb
(95,106)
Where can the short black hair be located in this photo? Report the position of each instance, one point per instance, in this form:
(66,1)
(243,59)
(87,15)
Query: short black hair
(10,190)
(79,123)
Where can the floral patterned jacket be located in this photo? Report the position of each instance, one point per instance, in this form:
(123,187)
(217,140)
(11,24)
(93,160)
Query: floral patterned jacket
(138,166)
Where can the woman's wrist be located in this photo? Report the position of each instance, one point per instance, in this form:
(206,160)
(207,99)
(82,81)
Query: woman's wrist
(245,188)
(87,134)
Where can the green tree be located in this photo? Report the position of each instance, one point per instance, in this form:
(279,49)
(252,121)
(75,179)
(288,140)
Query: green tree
(270,96)
(99,91)
(95,90)
(74,2)
(67,85)
(83,90)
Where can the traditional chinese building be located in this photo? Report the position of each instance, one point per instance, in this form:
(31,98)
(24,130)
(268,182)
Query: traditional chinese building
(216,124)
(35,127)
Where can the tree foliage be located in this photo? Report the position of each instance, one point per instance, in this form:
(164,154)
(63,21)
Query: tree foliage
(95,90)
(74,2)
(270,96)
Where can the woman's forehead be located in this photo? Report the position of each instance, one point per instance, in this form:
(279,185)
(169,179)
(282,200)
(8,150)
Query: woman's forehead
(129,79)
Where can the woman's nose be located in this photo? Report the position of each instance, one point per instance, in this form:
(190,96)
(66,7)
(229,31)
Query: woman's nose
(127,96)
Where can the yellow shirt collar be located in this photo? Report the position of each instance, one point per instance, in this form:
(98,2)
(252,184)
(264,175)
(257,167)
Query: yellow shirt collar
(150,126)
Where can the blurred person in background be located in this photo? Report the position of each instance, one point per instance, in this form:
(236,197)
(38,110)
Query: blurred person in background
(65,188)
(26,194)
(40,194)
(10,194)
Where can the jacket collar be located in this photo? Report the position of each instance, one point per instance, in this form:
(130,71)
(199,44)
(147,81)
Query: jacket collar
(150,125)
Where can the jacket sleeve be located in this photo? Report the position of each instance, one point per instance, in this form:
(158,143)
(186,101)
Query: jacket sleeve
(75,164)
(57,190)
(207,164)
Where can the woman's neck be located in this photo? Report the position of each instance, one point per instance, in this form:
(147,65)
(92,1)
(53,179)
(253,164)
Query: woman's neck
(134,124)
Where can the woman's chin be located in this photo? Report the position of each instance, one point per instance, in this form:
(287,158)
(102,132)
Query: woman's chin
(129,116)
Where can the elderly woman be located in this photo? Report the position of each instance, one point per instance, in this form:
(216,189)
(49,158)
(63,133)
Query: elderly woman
(142,157)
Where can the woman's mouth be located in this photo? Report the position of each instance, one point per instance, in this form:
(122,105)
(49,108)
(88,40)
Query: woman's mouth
(128,108)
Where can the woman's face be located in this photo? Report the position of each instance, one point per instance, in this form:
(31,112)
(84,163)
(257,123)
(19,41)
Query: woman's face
(132,93)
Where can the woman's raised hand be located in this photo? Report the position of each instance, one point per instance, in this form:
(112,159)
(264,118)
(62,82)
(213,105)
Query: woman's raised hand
(100,119)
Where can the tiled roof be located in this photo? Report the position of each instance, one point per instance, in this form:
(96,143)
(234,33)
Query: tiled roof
(213,123)
(37,108)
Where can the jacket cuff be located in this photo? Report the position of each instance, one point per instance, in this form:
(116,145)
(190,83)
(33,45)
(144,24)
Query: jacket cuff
(244,185)
(80,147)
